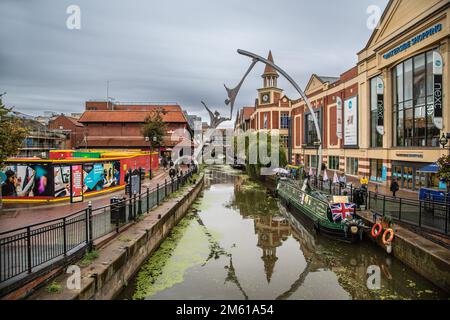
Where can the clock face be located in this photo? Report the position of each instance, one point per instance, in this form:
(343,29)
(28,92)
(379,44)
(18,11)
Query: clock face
(265,97)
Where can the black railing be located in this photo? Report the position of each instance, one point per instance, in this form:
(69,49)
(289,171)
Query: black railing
(423,214)
(28,249)
(428,215)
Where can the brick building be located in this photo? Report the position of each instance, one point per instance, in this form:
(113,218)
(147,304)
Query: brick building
(73,129)
(115,125)
(384,117)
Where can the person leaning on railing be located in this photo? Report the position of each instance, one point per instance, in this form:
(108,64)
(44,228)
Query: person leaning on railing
(364,182)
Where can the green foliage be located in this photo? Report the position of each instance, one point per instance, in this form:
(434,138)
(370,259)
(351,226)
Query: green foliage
(12,133)
(155,127)
(54,287)
(253,143)
(444,168)
(89,258)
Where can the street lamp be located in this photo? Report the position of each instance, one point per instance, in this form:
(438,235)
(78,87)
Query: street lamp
(151,141)
(444,140)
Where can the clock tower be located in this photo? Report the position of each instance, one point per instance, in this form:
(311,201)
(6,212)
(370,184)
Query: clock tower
(269,93)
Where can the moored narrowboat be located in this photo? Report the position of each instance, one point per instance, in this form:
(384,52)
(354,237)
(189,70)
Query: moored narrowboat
(331,216)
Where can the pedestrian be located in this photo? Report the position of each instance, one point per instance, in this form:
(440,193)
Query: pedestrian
(364,182)
(394,187)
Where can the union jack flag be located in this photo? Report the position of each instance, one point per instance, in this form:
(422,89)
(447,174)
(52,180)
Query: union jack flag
(342,211)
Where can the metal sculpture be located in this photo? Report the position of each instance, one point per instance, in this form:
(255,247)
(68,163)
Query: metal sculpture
(232,94)
(215,118)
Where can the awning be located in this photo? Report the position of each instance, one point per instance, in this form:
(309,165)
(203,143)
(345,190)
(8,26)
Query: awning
(431,168)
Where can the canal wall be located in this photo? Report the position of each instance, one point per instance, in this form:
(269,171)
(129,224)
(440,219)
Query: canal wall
(121,258)
(425,257)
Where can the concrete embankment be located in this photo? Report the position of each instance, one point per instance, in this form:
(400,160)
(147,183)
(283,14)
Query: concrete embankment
(120,258)
(427,258)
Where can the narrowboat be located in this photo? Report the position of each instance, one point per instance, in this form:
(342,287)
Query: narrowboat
(331,216)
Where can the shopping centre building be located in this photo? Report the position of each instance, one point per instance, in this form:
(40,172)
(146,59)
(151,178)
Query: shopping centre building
(385,117)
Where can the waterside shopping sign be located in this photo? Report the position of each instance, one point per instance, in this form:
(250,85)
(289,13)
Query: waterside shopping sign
(415,40)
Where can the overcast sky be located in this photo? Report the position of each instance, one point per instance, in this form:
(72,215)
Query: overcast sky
(173,50)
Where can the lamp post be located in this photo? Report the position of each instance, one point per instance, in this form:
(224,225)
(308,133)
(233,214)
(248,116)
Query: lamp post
(444,141)
(151,141)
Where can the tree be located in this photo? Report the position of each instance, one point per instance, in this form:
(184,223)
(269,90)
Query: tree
(444,170)
(155,128)
(263,141)
(12,133)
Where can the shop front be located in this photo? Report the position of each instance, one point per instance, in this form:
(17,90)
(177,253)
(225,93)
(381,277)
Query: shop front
(404,74)
(416,175)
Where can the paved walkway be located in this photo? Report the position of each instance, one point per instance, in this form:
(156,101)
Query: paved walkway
(382,190)
(13,218)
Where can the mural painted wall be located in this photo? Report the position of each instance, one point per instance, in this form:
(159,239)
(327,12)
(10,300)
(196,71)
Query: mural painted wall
(27,180)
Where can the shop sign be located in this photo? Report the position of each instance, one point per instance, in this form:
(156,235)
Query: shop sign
(351,122)
(339,118)
(380,105)
(410,155)
(437,72)
(415,40)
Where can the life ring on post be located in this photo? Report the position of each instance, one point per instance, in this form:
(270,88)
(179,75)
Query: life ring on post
(376,230)
(391,236)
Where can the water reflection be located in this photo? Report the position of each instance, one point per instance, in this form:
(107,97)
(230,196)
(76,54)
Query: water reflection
(250,247)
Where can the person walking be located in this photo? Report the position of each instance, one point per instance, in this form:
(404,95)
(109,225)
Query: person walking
(394,187)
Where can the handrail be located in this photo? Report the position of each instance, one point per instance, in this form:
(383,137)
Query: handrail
(20,243)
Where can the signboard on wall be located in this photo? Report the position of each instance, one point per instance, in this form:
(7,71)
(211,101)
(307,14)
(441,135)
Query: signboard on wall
(339,118)
(437,72)
(351,122)
(76,184)
(380,106)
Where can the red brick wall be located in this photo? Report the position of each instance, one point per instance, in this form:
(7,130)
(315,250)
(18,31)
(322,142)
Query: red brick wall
(276,120)
(298,131)
(333,127)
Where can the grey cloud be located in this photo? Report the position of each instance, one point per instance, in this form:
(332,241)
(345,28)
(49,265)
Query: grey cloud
(181,51)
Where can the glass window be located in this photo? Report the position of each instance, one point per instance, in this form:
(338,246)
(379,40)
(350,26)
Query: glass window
(419,77)
(312,163)
(408,80)
(352,166)
(310,129)
(413,109)
(376,170)
(284,120)
(333,163)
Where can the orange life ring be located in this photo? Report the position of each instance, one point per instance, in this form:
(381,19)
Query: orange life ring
(376,227)
(391,237)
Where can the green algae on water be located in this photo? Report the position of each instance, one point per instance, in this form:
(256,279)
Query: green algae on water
(184,248)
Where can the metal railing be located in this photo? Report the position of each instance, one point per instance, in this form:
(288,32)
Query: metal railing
(428,215)
(25,250)
(423,214)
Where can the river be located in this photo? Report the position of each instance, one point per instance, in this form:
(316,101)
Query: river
(238,242)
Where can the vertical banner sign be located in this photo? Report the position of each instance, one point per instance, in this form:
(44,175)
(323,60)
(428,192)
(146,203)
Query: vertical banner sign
(380,106)
(339,118)
(437,72)
(351,122)
(76,184)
